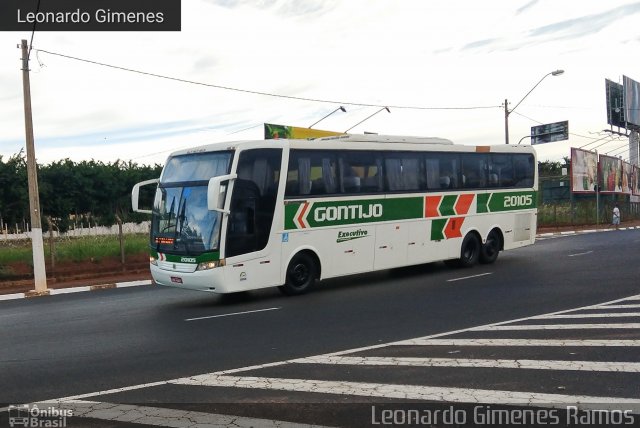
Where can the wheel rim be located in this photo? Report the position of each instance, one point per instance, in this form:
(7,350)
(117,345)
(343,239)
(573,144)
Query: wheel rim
(470,250)
(491,246)
(299,274)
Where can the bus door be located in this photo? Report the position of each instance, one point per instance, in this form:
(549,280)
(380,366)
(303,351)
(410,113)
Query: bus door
(250,259)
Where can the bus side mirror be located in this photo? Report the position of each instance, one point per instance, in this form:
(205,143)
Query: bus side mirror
(216,192)
(135,195)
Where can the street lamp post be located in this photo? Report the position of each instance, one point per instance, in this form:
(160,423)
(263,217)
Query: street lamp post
(368,117)
(339,108)
(507,112)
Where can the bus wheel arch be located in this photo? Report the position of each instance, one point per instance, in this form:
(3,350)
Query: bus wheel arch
(302,273)
(492,246)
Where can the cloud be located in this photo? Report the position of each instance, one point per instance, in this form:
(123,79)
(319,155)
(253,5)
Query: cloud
(286,8)
(574,28)
(526,6)
(578,27)
(479,44)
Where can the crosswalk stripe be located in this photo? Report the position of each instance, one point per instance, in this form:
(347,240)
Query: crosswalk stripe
(555,327)
(516,342)
(601,315)
(166,417)
(599,366)
(633,306)
(410,392)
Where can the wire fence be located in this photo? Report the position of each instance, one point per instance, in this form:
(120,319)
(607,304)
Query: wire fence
(558,206)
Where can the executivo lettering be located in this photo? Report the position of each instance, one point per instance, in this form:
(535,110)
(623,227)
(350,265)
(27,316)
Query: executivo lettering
(348,236)
(347,212)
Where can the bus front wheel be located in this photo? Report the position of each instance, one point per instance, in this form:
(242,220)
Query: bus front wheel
(302,274)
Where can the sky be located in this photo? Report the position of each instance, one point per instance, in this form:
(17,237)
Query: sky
(444,68)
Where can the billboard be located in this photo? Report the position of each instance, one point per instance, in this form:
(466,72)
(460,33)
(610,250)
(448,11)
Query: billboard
(584,170)
(550,132)
(631,102)
(627,177)
(610,174)
(274,132)
(615,104)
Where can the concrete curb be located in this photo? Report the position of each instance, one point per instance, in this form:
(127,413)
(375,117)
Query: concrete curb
(582,232)
(55,291)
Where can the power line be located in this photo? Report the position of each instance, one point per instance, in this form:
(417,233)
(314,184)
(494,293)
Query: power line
(267,94)
(33,31)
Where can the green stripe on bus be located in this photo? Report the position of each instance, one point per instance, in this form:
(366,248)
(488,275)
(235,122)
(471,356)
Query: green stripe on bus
(483,199)
(339,213)
(437,229)
(508,201)
(447,204)
(177,258)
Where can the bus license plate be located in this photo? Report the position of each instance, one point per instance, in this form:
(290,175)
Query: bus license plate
(176,279)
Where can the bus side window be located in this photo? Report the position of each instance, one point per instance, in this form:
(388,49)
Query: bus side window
(523,170)
(432,174)
(403,172)
(501,167)
(311,173)
(474,170)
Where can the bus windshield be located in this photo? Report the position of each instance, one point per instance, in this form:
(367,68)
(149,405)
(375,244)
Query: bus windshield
(181,222)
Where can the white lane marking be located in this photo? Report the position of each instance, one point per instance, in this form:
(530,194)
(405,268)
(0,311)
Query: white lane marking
(580,254)
(516,342)
(409,392)
(596,366)
(555,327)
(162,416)
(577,316)
(469,277)
(232,314)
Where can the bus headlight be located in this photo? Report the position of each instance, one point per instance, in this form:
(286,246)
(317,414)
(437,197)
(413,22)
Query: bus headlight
(210,265)
(153,260)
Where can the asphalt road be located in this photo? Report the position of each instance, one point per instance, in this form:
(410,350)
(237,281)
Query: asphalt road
(126,339)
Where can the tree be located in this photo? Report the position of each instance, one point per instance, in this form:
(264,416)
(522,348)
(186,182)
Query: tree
(89,190)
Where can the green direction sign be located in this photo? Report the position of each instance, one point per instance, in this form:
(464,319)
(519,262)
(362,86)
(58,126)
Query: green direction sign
(550,132)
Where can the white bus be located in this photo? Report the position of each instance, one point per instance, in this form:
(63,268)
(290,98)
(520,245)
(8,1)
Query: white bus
(245,215)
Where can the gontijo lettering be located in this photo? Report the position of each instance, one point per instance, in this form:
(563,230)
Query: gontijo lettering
(347,212)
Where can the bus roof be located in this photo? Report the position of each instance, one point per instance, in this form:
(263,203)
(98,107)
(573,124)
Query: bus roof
(361,142)
(374,138)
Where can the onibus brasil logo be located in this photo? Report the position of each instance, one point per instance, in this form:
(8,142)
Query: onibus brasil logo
(34,416)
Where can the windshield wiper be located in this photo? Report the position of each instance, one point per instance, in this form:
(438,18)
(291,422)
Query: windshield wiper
(179,232)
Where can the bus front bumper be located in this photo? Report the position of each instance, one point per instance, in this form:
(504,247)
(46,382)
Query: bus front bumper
(210,280)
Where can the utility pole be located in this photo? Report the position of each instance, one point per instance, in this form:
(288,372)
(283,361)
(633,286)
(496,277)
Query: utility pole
(37,245)
(506,121)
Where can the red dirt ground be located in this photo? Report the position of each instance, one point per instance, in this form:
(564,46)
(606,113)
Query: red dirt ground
(73,274)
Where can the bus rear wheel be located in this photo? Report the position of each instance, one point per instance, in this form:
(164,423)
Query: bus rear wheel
(470,250)
(301,276)
(491,248)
